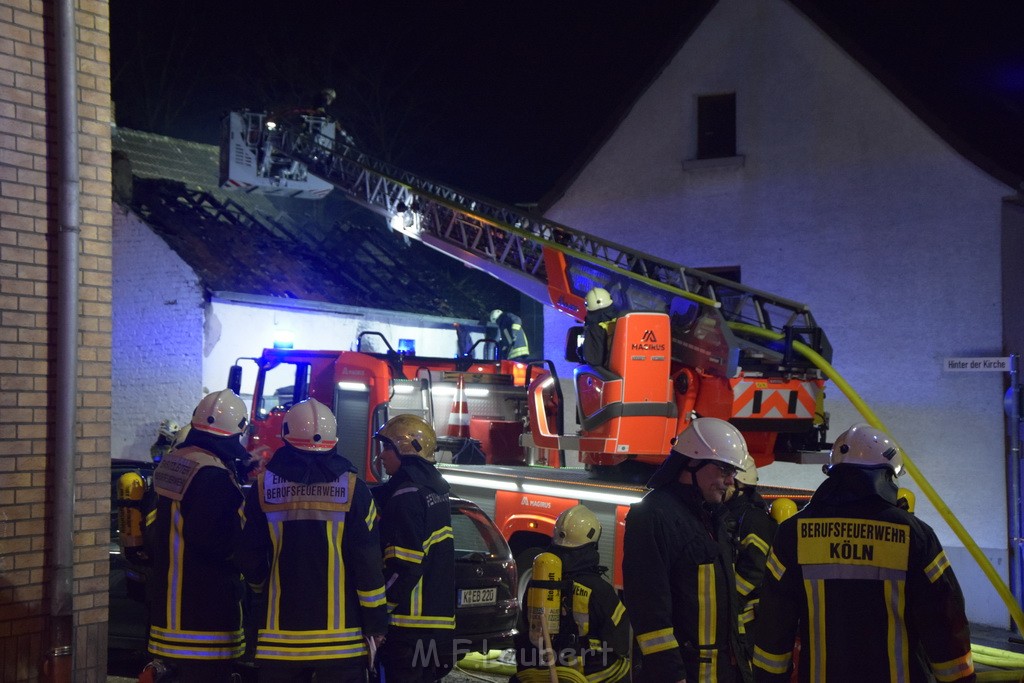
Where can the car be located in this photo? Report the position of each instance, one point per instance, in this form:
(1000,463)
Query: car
(486,596)
(487,605)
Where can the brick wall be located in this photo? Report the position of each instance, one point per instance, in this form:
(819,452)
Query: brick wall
(28,305)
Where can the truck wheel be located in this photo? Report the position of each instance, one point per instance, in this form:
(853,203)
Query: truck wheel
(524,568)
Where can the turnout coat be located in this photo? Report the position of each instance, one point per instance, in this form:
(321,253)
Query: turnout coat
(867,588)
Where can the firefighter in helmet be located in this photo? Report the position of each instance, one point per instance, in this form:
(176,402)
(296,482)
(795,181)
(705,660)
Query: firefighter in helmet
(593,635)
(679,584)
(165,434)
(752,530)
(895,610)
(194,588)
(419,553)
(597,327)
(512,343)
(311,543)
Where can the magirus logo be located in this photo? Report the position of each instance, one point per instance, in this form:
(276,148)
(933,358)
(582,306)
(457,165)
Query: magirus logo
(648,342)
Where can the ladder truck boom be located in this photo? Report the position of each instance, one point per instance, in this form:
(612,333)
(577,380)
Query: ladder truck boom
(709,363)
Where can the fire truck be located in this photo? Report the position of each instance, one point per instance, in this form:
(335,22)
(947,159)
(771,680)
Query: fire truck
(688,343)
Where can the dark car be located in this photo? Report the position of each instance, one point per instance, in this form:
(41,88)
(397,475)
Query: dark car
(485,579)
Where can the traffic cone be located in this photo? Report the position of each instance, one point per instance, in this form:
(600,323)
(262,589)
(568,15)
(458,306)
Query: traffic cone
(458,421)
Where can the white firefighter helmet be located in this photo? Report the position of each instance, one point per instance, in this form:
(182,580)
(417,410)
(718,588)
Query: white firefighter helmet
(597,299)
(168,428)
(709,438)
(310,426)
(409,435)
(181,435)
(221,413)
(495,314)
(865,446)
(747,475)
(576,527)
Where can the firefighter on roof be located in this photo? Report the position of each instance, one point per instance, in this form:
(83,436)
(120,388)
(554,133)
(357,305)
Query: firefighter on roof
(194,589)
(593,638)
(419,554)
(863,583)
(677,570)
(752,530)
(310,545)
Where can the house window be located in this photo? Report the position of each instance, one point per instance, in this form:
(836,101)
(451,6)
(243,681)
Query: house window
(716,126)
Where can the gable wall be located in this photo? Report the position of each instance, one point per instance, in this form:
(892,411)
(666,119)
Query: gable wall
(157,364)
(844,200)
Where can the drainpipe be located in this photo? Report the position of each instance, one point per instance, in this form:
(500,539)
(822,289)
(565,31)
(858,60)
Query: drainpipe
(59,654)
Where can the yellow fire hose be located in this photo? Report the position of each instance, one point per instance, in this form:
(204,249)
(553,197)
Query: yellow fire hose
(1004,592)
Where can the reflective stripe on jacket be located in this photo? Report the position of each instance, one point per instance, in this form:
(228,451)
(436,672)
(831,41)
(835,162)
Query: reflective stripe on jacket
(680,588)
(314,546)
(194,591)
(867,588)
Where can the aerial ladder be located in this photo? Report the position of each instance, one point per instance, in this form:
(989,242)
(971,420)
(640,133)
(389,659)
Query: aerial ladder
(692,343)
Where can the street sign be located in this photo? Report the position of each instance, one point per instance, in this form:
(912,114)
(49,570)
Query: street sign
(977,364)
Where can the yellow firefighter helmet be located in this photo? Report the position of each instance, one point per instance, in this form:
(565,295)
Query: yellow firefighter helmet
(906,499)
(409,435)
(783,509)
(576,527)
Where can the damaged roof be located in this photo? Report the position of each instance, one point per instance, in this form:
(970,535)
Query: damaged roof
(329,250)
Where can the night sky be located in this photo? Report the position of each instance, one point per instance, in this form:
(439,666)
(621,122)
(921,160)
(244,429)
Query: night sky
(494,98)
(501,98)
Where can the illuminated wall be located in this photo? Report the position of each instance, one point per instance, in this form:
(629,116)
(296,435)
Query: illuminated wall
(173,343)
(840,197)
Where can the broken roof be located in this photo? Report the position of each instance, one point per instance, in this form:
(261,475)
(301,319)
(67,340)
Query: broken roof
(329,250)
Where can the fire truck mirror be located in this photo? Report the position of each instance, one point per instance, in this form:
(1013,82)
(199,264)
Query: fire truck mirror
(235,379)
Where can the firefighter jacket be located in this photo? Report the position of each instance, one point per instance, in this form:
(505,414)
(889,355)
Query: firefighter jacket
(593,635)
(311,544)
(867,588)
(597,331)
(752,530)
(680,589)
(194,589)
(419,552)
(512,341)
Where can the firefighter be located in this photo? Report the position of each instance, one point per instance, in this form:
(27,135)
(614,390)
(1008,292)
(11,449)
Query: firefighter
(677,570)
(597,327)
(165,435)
(593,637)
(512,343)
(310,544)
(195,589)
(419,554)
(864,584)
(752,530)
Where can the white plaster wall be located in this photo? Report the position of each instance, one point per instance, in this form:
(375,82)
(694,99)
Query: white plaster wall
(844,200)
(157,337)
